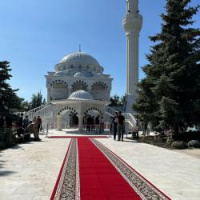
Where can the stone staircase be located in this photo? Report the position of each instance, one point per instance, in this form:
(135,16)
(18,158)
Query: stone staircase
(44,110)
(130,121)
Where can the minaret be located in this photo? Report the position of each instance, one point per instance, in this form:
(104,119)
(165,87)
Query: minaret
(132,23)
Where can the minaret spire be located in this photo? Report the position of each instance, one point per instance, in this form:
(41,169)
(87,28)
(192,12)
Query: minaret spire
(79,47)
(132,25)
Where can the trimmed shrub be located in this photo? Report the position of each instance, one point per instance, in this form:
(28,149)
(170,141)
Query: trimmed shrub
(193,135)
(179,145)
(194,144)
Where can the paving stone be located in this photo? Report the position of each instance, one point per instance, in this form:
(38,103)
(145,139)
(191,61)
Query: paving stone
(30,170)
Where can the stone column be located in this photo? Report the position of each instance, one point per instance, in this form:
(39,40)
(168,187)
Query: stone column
(69,90)
(59,122)
(80,122)
(48,95)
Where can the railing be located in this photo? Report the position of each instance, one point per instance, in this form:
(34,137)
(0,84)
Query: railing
(130,119)
(111,110)
(39,111)
(36,109)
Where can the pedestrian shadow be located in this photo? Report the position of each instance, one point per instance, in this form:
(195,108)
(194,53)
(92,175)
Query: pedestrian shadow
(6,173)
(2,163)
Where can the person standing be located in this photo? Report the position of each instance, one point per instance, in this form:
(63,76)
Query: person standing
(39,123)
(114,123)
(26,122)
(33,128)
(120,126)
(97,124)
(20,120)
(101,130)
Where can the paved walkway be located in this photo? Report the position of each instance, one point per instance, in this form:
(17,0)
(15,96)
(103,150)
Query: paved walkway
(29,171)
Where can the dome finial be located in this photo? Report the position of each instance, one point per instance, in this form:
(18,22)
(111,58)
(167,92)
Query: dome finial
(79,47)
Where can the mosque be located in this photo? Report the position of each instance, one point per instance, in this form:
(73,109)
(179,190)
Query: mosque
(78,88)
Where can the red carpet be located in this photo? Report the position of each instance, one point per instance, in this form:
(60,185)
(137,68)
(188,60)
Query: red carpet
(90,171)
(98,177)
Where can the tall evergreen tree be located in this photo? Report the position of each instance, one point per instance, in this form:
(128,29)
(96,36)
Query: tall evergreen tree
(117,101)
(114,100)
(36,100)
(8,98)
(169,96)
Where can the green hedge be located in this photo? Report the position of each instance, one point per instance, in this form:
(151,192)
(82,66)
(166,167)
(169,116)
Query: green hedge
(179,145)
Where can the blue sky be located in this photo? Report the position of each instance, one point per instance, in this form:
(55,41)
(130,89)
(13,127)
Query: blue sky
(36,34)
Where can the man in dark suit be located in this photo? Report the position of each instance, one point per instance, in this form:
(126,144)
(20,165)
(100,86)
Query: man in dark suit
(120,126)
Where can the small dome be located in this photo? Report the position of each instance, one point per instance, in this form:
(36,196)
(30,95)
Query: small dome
(83,74)
(79,74)
(80,95)
(99,74)
(62,73)
(79,58)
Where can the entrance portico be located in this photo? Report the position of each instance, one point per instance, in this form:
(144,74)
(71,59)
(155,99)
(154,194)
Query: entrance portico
(80,103)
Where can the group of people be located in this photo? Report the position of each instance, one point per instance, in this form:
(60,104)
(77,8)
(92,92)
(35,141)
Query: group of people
(118,126)
(24,125)
(92,123)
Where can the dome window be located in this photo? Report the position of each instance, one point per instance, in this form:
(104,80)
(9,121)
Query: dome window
(71,66)
(80,66)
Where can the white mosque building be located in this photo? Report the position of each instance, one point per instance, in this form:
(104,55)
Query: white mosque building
(78,87)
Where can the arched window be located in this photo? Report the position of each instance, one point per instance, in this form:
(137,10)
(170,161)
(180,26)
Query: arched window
(79,85)
(100,91)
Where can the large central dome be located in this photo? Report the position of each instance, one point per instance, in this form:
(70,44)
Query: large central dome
(79,58)
(79,62)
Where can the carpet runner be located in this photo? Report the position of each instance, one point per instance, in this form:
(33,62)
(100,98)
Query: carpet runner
(90,171)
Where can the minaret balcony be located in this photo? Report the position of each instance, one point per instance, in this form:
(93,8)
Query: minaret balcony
(132,23)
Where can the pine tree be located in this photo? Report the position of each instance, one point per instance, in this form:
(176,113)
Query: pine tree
(117,101)
(8,98)
(169,96)
(114,100)
(44,101)
(36,100)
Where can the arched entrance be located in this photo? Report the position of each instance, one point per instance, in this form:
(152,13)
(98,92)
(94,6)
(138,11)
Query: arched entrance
(73,120)
(93,120)
(67,118)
